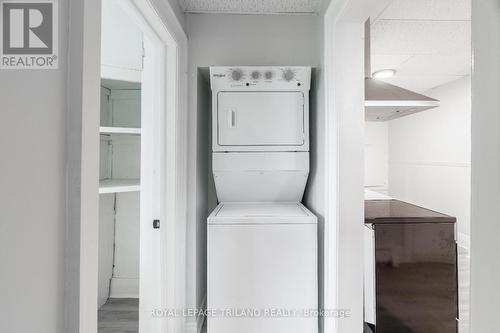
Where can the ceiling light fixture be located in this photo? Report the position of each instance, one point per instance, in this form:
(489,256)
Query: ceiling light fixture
(384,73)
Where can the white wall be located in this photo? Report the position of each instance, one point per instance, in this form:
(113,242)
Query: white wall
(32,194)
(233,40)
(377,156)
(485,247)
(346,190)
(429,154)
(125,281)
(106,245)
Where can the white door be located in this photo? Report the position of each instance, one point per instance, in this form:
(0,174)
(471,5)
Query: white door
(260,118)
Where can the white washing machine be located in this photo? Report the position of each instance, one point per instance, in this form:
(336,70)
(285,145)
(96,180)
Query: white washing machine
(262,257)
(262,242)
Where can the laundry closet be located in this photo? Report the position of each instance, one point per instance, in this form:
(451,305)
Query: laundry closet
(249,158)
(262,242)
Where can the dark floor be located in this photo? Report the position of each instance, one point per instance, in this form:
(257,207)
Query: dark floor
(119,315)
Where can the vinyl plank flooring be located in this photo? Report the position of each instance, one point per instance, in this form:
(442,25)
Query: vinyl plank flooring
(119,315)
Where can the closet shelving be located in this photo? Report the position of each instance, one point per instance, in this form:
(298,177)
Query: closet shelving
(121,137)
(120,133)
(118,185)
(109,130)
(119,189)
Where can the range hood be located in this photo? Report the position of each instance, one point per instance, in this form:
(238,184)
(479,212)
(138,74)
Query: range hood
(384,101)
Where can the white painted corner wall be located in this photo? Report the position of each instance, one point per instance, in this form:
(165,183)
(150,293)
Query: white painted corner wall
(344,161)
(377,156)
(33,178)
(485,247)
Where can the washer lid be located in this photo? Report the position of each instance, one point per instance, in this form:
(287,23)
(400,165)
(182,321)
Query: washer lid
(255,213)
(261,210)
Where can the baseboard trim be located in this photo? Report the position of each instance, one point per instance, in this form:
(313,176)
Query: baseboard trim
(463,240)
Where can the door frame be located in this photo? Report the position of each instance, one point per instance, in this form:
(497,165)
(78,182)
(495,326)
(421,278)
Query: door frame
(83,166)
(344,161)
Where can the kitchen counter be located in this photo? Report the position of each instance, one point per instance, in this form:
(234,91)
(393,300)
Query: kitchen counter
(396,211)
(410,268)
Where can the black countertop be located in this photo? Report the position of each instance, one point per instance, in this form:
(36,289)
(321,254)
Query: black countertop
(397,212)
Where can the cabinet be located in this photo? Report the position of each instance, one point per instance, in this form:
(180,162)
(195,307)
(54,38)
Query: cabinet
(410,269)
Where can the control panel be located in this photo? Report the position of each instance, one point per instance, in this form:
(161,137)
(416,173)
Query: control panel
(257,78)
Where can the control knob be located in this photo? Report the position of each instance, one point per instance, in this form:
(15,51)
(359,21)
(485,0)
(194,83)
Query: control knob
(255,75)
(236,75)
(288,75)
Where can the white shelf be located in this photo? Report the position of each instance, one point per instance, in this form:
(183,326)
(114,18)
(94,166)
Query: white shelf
(119,185)
(120,130)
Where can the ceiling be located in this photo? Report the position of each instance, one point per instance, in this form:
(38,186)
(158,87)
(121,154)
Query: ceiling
(252,6)
(428,42)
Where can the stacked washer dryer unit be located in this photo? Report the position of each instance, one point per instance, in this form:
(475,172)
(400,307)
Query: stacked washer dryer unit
(262,242)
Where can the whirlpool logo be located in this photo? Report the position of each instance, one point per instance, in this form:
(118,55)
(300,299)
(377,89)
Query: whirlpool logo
(28,34)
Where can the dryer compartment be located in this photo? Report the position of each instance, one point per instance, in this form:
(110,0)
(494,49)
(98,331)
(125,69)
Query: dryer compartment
(260,109)
(258,118)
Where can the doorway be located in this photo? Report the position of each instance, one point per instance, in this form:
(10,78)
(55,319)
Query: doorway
(421,154)
(142,131)
(344,104)
(130,172)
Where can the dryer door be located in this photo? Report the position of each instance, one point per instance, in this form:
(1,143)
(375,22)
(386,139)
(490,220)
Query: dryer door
(273,118)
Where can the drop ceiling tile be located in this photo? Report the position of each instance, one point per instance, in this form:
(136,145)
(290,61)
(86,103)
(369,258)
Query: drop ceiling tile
(437,65)
(421,83)
(251,6)
(420,37)
(428,10)
(385,61)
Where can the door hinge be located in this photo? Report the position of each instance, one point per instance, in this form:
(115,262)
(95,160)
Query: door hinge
(156,224)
